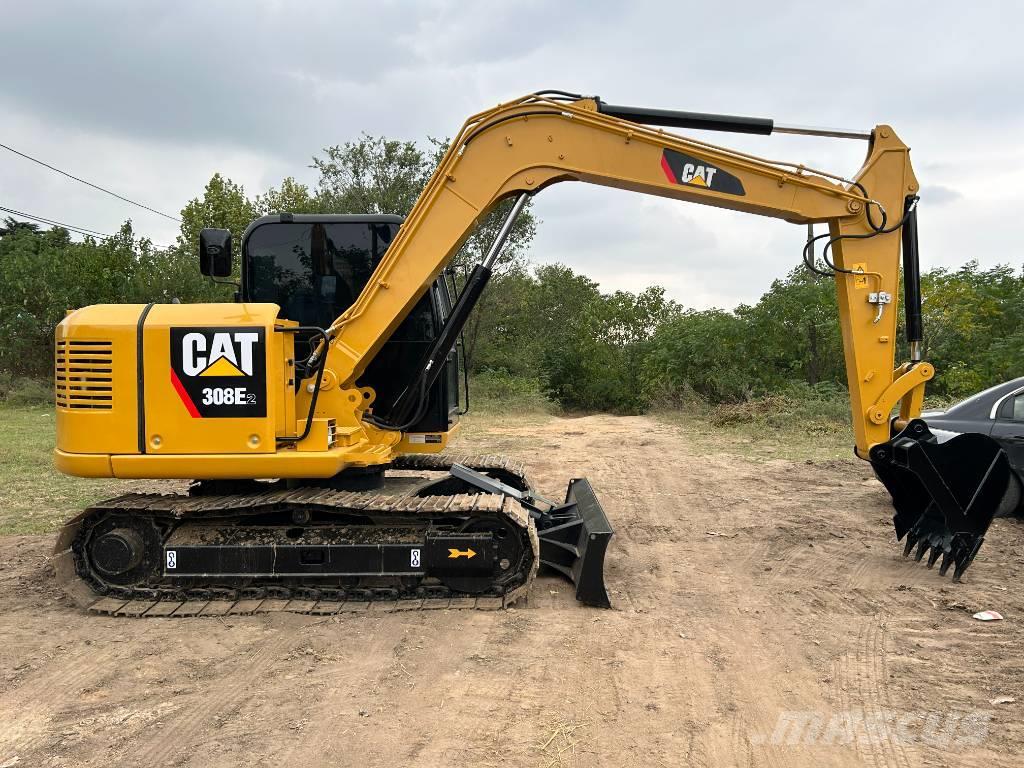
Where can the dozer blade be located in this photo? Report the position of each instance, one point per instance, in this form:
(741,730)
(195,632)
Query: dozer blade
(945,494)
(574,537)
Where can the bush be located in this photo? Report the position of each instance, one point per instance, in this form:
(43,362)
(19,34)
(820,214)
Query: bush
(44,274)
(501,391)
(703,354)
(819,409)
(20,391)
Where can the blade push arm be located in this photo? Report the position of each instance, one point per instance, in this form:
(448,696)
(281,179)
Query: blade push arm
(536,141)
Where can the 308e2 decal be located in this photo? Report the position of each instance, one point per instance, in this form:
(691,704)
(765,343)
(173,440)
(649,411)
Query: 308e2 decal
(220,372)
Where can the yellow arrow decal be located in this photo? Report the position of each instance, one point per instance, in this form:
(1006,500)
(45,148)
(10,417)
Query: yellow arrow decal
(453,553)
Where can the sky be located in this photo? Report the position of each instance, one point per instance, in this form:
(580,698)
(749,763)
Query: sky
(150,99)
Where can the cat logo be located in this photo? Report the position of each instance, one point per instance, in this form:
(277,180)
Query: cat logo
(230,354)
(683,169)
(220,372)
(699,175)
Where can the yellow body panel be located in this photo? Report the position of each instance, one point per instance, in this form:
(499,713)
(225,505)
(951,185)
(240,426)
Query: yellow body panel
(286,463)
(97,426)
(102,430)
(170,428)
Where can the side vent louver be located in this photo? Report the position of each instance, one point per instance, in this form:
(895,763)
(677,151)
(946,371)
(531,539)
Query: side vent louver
(84,375)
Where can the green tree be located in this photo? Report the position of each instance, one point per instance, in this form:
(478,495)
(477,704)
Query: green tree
(973,326)
(290,197)
(44,273)
(371,175)
(223,205)
(706,353)
(796,324)
(13,225)
(586,347)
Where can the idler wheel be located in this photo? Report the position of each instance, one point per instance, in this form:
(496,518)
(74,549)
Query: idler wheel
(117,551)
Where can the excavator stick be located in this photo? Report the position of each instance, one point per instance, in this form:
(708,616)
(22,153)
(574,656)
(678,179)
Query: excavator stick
(945,494)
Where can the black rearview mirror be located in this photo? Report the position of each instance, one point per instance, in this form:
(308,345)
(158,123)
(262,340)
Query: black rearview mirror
(215,252)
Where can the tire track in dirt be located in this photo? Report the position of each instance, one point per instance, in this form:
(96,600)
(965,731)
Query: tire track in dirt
(700,662)
(355,682)
(755,707)
(648,495)
(892,569)
(862,670)
(52,687)
(805,583)
(689,683)
(224,693)
(440,694)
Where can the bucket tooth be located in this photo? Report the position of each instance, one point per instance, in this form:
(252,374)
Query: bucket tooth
(911,541)
(947,560)
(945,495)
(922,547)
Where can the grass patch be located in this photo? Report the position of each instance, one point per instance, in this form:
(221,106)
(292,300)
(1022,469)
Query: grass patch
(502,410)
(35,497)
(799,423)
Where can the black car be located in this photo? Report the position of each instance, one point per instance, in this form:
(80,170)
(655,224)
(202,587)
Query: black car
(998,412)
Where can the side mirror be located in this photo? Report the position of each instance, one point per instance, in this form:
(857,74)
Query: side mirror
(215,252)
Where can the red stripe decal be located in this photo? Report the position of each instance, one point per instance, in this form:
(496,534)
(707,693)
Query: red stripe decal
(184,395)
(668,169)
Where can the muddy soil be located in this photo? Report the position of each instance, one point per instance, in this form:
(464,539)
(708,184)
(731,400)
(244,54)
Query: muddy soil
(763,617)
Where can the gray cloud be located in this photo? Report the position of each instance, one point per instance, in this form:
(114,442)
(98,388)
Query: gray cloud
(152,99)
(937,194)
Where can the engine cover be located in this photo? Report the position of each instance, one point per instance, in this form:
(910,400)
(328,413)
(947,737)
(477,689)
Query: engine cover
(172,379)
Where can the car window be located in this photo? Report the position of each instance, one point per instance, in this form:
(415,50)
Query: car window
(1017,414)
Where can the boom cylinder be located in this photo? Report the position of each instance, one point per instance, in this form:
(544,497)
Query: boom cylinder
(706,121)
(697,120)
(430,367)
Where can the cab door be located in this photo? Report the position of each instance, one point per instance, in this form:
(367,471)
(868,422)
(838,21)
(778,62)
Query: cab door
(1008,429)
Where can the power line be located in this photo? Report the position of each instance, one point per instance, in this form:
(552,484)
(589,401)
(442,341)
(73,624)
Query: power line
(71,227)
(90,184)
(53,223)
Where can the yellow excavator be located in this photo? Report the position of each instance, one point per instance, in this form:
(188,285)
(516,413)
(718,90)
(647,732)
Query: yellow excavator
(312,415)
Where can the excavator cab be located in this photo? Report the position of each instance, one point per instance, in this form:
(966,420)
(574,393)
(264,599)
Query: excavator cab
(314,266)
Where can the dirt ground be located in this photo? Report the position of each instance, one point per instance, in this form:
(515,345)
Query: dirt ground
(763,617)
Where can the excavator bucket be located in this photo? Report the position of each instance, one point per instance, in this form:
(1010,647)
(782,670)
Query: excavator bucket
(945,494)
